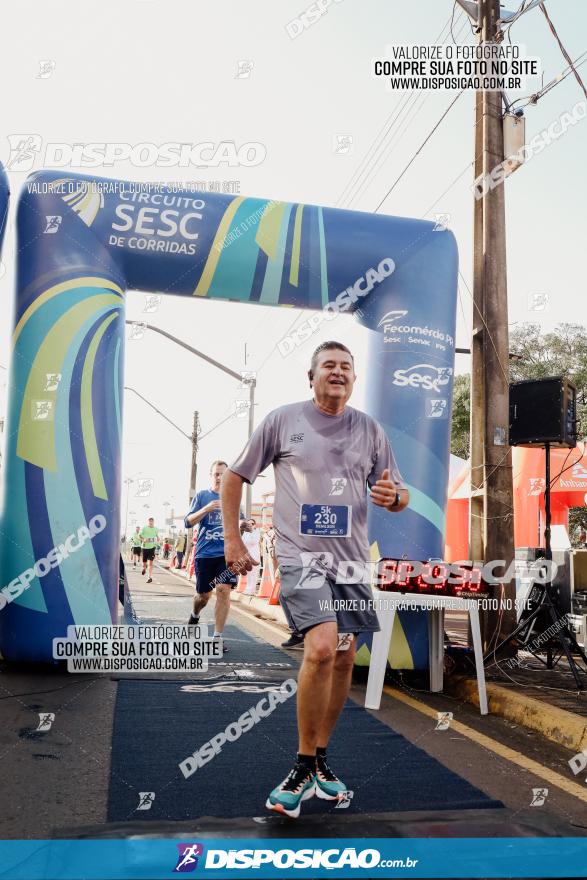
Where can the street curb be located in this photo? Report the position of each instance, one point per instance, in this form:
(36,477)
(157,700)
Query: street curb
(562,727)
(260,606)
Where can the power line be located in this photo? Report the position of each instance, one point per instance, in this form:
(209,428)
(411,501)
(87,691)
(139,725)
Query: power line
(566,55)
(407,122)
(449,187)
(158,411)
(555,81)
(384,131)
(482,318)
(217,425)
(297,317)
(452,15)
(409,104)
(382,201)
(368,168)
(514,18)
(567,72)
(419,150)
(371,153)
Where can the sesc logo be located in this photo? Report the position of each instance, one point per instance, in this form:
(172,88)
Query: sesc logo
(425,376)
(393,316)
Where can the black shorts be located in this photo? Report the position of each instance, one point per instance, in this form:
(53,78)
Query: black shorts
(136,551)
(211,571)
(148,553)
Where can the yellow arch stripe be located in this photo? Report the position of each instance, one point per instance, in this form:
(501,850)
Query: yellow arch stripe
(87,419)
(203,285)
(85,281)
(86,206)
(91,206)
(269,229)
(36,437)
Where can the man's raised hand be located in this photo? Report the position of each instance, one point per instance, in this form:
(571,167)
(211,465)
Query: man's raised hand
(384,491)
(238,559)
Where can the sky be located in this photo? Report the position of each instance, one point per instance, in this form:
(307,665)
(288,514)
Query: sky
(168,70)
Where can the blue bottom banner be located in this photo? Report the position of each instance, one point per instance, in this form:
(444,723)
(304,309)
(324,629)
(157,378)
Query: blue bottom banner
(294,857)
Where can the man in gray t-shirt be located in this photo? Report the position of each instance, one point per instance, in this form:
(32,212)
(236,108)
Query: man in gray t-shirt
(330,461)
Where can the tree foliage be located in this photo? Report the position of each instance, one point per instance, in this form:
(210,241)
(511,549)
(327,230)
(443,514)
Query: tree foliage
(562,352)
(461,415)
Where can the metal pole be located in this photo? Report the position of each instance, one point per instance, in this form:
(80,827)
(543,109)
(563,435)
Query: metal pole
(547,512)
(193,475)
(249,489)
(194,467)
(190,348)
(251,382)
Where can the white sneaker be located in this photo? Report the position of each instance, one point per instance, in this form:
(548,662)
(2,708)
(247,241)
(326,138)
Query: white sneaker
(223,648)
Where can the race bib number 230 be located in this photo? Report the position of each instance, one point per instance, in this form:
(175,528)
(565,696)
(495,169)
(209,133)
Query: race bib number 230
(326,520)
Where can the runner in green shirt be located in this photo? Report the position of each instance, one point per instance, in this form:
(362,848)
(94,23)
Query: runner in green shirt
(149,536)
(135,547)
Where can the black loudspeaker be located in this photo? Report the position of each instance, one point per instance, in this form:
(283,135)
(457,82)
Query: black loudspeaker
(543,411)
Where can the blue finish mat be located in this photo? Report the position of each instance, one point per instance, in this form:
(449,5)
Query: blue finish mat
(158,724)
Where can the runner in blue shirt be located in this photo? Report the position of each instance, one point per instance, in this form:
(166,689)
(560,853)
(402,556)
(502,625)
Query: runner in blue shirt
(210,566)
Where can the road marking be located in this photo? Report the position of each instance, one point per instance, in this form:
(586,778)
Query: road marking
(512,755)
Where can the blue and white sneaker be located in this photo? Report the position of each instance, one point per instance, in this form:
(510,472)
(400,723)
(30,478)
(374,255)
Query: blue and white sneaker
(328,786)
(298,786)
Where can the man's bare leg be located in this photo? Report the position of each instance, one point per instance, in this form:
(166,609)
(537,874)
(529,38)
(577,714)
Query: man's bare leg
(315,684)
(222,606)
(200,602)
(341,683)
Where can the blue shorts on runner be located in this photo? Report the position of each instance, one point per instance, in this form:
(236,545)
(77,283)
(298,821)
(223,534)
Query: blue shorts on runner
(211,571)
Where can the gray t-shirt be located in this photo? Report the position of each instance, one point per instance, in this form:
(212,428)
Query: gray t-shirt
(323,465)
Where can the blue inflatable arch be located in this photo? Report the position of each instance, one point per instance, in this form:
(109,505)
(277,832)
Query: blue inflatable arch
(82,243)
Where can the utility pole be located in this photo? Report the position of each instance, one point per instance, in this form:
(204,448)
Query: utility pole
(491,530)
(194,469)
(193,473)
(251,382)
(248,381)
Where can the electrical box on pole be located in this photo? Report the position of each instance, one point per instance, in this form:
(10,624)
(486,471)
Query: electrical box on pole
(514,140)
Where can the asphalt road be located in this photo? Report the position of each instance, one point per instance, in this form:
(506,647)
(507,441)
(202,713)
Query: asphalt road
(57,781)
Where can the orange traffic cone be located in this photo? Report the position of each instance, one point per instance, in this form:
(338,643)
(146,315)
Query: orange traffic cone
(242,583)
(266,587)
(274,597)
